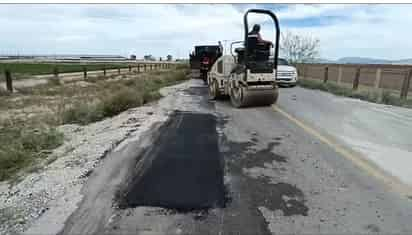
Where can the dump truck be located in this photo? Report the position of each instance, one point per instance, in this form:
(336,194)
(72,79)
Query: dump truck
(248,75)
(202,59)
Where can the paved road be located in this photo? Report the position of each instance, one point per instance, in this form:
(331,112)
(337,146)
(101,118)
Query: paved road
(381,133)
(256,171)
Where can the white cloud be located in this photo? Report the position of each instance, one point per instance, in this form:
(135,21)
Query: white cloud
(368,31)
(359,30)
(301,11)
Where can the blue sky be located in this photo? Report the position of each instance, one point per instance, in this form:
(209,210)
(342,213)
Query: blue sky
(366,30)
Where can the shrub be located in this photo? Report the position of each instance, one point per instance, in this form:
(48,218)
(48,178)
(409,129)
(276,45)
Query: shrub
(54,81)
(120,101)
(82,113)
(4,92)
(21,146)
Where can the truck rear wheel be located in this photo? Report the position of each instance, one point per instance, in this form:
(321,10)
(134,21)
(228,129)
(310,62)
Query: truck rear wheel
(203,76)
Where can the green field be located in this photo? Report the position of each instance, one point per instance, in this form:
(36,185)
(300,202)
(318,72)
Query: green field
(21,69)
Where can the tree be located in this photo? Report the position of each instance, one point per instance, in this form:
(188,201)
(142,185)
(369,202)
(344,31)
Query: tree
(298,48)
(169,58)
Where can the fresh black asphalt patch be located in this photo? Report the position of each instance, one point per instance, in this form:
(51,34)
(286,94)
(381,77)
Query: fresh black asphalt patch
(186,171)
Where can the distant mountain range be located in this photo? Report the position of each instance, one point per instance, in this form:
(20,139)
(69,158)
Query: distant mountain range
(364,60)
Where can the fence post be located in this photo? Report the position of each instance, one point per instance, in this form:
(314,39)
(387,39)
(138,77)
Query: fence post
(56,72)
(118,70)
(325,76)
(9,80)
(85,72)
(301,70)
(104,70)
(356,80)
(138,68)
(378,78)
(130,68)
(340,74)
(151,67)
(145,65)
(405,84)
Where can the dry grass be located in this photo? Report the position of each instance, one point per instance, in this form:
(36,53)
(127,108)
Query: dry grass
(371,95)
(29,117)
(117,96)
(4,92)
(23,145)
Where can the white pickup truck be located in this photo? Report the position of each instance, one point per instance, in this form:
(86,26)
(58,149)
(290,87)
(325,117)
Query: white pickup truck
(286,74)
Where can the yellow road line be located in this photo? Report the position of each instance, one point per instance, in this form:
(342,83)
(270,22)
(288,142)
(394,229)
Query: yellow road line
(358,160)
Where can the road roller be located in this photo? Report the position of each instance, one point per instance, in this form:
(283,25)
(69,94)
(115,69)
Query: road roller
(248,74)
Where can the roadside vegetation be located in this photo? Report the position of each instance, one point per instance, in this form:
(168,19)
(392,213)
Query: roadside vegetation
(29,118)
(116,97)
(375,96)
(23,145)
(24,70)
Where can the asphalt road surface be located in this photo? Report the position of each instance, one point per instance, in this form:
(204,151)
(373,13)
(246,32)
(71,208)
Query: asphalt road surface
(214,169)
(382,133)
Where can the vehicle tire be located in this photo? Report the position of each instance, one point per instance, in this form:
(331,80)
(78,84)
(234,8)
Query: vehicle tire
(203,76)
(214,92)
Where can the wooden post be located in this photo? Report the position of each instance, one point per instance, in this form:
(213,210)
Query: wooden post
(151,67)
(118,70)
(301,71)
(56,72)
(9,80)
(356,80)
(378,78)
(325,76)
(85,72)
(145,65)
(339,74)
(104,70)
(405,84)
(138,68)
(130,68)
